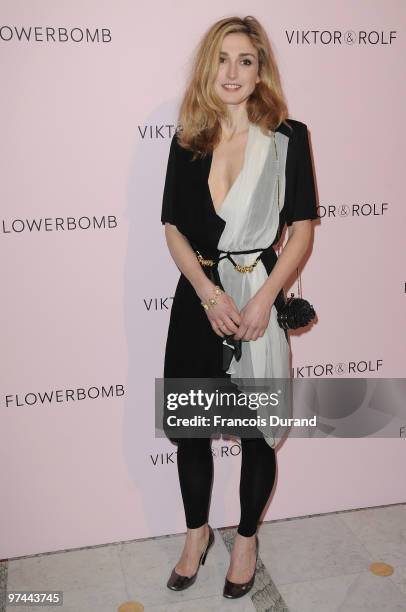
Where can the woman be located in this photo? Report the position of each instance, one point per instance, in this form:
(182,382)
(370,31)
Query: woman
(238,170)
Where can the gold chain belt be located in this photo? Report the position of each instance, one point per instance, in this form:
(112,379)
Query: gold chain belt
(242,269)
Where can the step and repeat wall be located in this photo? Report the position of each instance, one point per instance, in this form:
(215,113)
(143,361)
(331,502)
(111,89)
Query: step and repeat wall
(90,93)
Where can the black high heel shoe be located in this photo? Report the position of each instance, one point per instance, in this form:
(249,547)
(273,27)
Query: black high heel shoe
(177,582)
(232,590)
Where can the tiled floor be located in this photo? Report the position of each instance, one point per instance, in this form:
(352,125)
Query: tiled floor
(311,564)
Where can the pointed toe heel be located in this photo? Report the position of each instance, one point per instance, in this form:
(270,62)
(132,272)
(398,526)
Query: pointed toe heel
(233,590)
(177,582)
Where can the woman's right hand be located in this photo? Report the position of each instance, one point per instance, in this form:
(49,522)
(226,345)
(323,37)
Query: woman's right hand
(223,316)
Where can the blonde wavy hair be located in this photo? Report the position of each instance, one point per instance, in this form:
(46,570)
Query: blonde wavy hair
(201,109)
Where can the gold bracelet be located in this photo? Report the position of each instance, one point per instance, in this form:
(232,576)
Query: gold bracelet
(212,301)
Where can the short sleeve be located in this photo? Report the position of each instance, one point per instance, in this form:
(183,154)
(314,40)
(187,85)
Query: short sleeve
(300,184)
(169,193)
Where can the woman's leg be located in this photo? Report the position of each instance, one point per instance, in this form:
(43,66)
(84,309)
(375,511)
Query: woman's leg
(195,469)
(258,469)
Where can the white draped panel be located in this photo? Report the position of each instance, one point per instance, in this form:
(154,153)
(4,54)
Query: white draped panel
(250,210)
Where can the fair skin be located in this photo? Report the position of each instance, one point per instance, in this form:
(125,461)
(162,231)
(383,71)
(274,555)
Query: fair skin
(238,65)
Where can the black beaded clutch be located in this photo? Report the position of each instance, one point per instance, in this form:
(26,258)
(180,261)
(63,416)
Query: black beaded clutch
(295,313)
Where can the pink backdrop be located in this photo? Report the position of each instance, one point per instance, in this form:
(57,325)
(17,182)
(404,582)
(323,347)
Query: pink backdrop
(85,304)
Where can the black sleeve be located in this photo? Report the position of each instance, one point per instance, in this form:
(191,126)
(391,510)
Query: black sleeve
(300,185)
(168,212)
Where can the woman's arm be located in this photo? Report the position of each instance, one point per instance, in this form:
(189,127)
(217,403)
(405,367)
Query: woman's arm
(225,312)
(256,313)
(300,233)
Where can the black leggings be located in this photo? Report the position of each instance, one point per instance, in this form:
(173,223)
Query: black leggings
(195,469)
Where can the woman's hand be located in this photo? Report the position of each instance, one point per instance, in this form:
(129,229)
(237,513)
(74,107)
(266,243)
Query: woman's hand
(223,316)
(255,317)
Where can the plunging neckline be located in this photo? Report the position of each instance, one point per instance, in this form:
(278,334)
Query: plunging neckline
(236,180)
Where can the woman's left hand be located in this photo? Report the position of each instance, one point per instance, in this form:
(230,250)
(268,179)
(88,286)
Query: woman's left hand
(254,317)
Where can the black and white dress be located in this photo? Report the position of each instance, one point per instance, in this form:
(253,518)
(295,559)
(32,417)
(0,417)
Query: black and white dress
(250,217)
